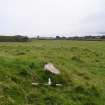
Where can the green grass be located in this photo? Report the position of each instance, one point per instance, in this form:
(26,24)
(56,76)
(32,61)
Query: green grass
(82,66)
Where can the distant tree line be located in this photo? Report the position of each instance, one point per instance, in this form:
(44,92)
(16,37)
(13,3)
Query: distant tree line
(82,37)
(87,38)
(17,38)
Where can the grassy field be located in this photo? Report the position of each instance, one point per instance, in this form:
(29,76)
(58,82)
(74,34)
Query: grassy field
(82,66)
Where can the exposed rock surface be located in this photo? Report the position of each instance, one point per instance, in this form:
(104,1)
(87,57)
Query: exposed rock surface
(50,67)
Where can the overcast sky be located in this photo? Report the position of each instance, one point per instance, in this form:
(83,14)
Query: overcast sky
(51,17)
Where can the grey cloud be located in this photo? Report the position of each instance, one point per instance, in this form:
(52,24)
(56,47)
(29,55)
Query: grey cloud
(50,17)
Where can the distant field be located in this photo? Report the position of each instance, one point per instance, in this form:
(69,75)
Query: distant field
(82,66)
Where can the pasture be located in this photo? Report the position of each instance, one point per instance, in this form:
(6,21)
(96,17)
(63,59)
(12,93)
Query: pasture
(82,67)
